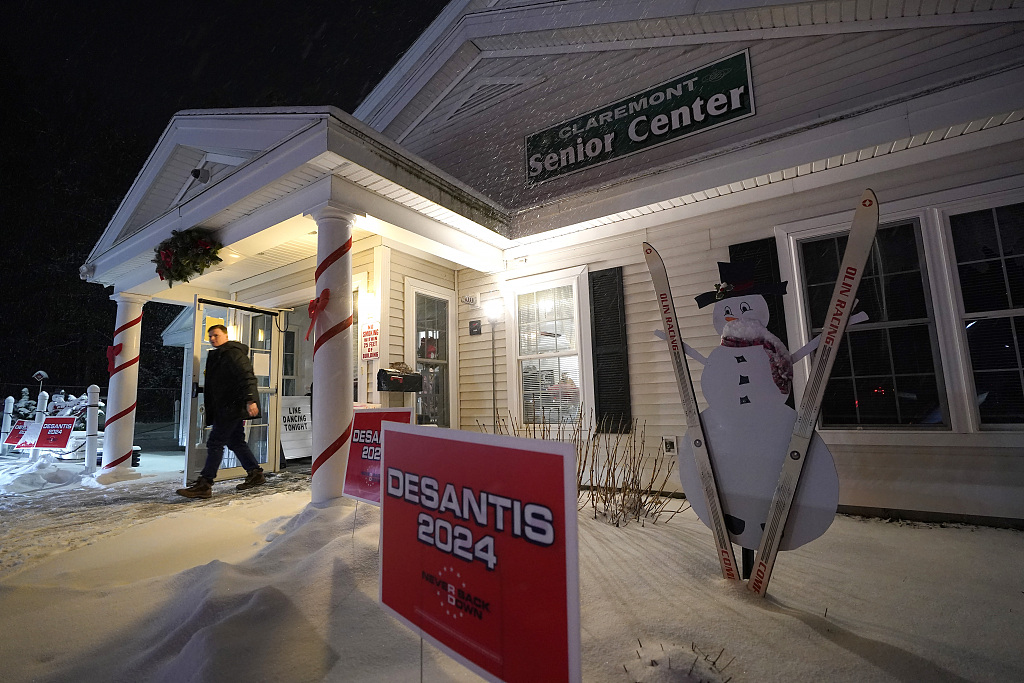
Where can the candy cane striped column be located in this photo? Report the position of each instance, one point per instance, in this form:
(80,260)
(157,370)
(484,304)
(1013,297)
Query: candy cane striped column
(123,390)
(332,352)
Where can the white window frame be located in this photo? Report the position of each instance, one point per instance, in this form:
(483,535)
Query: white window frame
(412,288)
(932,211)
(578,277)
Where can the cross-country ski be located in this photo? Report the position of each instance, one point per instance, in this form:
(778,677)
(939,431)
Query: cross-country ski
(858,248)
(695,432)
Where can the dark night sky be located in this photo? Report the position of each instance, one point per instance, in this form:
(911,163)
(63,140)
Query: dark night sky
(87,90)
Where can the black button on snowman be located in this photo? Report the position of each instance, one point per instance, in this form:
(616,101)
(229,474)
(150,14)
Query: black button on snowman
(747,423)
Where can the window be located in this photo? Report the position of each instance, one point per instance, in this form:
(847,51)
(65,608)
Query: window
(886,371)
(288,364)
(989,249)
(429,331)
(548,355)
(431,339)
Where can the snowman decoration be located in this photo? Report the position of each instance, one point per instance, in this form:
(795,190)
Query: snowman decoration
(747,423)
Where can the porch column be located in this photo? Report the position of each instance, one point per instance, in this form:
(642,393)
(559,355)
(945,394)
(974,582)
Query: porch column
(122,392)
(331,314)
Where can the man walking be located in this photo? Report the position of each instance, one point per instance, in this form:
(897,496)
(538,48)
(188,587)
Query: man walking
(230,398)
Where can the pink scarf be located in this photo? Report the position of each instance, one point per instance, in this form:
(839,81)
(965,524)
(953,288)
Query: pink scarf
(778,354)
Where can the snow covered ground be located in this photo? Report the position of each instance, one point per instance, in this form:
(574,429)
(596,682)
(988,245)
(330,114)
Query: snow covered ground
(129,582)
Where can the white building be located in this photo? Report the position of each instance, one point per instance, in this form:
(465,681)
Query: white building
(522,151)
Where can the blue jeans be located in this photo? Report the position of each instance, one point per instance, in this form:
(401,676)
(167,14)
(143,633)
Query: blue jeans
(228,433)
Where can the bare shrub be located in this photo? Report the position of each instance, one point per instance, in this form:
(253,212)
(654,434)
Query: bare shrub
(614,474)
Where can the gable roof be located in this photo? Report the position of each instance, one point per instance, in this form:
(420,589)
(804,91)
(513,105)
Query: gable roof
(241,172)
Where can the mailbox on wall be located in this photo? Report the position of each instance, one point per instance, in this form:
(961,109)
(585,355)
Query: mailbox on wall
(393,380)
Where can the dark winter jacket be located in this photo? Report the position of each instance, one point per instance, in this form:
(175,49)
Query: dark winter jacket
(230,383)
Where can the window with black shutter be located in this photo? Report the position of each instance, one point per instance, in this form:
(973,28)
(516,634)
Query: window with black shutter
(613,411)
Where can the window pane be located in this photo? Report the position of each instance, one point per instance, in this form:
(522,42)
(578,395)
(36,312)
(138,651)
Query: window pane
(431,328)
(547,321)
(912,350)
(876,400)
(991,343)
(821,261)
(982,286)
(839,405)
(1015,279)
(989,248)
(904,296)
(974,236)
(1000,397)
(432,406)
(997,347)
(550,389)
(897,248)
(918,399)
(1011,229)
(870,352)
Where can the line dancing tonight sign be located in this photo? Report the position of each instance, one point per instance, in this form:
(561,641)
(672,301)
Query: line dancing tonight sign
(705,98)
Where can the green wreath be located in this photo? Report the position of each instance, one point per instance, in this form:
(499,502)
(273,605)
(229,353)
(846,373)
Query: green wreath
(186,254)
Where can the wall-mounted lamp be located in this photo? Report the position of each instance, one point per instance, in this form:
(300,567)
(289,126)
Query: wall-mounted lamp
(369,306)
(201,174)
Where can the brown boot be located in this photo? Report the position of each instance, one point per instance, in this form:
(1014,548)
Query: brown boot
(203,488)
(253,478)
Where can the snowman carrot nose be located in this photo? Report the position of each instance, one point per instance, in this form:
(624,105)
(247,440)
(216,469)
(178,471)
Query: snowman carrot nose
(730,318)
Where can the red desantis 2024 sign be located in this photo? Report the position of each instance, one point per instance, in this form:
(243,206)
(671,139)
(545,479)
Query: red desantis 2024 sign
(362,475)
(479,549)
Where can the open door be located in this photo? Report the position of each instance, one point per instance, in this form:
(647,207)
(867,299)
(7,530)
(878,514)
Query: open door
(259,329)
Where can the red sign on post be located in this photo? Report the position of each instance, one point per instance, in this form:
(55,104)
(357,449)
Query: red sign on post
(53,433)
(479,549)
(362,476)
(17,433)
(56,432)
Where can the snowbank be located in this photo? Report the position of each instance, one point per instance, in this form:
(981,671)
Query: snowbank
(105,585)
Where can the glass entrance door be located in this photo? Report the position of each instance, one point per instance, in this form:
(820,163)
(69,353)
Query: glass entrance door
(255,327)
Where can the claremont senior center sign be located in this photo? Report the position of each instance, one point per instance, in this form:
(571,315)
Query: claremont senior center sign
(707,97)
(479,549)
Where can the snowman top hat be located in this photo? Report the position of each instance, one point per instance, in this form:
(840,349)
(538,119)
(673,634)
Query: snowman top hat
(738,280)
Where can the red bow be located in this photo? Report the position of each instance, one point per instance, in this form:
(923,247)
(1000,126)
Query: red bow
(112,352)
(315,307)
(166,257)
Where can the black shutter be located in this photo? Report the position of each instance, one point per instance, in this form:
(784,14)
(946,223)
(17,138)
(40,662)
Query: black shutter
(766,270)
(613,410)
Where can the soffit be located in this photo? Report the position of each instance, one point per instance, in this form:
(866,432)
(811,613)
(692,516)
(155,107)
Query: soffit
(504,28)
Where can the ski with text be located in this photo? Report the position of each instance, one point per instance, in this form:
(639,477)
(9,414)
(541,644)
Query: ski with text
(858,248)
(695,431)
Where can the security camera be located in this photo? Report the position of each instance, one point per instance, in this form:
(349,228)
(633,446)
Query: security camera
(201,174)
(40,376)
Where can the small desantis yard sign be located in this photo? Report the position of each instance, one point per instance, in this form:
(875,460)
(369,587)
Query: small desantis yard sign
(362,475)
(479,549)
